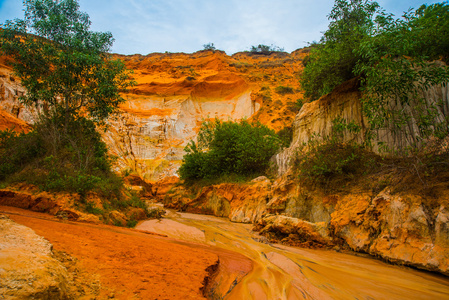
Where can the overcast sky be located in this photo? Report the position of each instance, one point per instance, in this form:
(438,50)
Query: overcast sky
(146,26)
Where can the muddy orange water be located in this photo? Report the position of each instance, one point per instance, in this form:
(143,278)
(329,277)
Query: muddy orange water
(281,272)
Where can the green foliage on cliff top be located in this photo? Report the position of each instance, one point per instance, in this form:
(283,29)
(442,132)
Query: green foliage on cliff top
(332,60)
(396,60)
(229,148)
(265,49)
(361,35)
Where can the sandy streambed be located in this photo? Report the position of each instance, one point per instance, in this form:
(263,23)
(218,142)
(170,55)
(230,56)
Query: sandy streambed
(280,272)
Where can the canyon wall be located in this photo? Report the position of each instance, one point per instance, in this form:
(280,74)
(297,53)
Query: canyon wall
(13,115)
(404,223)
(405,226)
(315,120)
(174,93)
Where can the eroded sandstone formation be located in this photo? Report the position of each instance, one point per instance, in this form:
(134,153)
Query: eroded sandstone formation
(66,206)
(315,120)
(176,92)
(10,91)
(401,227)
(27,267)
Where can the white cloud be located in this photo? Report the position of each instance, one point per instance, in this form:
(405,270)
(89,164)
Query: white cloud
(145,26)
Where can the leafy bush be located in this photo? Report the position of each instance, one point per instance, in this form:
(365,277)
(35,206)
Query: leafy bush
(265,50)
(156,213)
(326,160)
(17,150)
(226,148)
(285,136)
(131,223)
(60,154)
(92,209)
(332,60)
(329,158)
(209,46)
(282,90)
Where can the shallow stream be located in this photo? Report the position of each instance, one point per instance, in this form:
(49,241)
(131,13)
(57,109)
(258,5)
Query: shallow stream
(281,272)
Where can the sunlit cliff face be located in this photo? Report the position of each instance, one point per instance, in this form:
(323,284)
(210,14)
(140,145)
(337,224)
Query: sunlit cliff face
(176,92)
(13,116)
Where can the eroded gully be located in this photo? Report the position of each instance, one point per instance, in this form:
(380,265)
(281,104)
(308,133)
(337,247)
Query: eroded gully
(281,272)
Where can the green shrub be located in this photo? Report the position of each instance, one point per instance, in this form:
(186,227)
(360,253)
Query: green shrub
(131,223)
(299,103)
(226,148)
(329,158)
(18,150)
(156,213)
(92,209)
(60,154)
(209,46)
(265,49)
(282,90)
(285,136)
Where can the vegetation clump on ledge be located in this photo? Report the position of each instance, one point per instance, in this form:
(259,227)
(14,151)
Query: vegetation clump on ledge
(396,60)
(230,151)
(265,49)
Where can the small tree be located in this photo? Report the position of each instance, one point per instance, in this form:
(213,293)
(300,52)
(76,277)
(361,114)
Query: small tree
(72,80)
(265,49)
(209,46)
(63,66)
(332,60)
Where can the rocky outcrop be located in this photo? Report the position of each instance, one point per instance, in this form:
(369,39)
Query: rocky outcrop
(150,138)
(399,228)
(294,231)
(314,120)
(176,92)
(9,122)
(402,227)
(27,268)
(10,91)
(244,203)
(66,206)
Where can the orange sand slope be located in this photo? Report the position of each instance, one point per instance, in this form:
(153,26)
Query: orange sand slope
(129,264)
